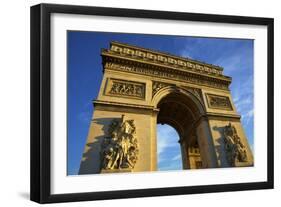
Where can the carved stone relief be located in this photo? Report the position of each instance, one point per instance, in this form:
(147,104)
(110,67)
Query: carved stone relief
(196,92)
(126,88)
(219,102)
(156,86)
(235,150)
(120,149)
(191,78)
(167,59)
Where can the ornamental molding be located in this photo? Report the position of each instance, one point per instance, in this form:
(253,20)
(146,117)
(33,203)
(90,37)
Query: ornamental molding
(138,60)
(156,86)
(196,92)
(164,58)
(125,66)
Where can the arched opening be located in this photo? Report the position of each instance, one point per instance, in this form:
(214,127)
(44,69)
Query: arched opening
(168,148)
(181,110)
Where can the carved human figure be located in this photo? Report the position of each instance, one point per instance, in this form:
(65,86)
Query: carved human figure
(137,91)
(157,86)
(242,154)
(132,152)
(126,133)
(115,88)
(108,158)
(123,89)
(120,150)
(235,150)
(108,153)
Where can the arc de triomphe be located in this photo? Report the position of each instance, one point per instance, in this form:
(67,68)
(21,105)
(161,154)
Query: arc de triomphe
(141,88)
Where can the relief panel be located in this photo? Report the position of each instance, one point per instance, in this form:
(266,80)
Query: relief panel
(219,102)
(123,88)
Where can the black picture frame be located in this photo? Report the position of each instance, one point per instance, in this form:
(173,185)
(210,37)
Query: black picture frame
(41,99)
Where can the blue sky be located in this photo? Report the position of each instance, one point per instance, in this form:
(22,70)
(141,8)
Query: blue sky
(168,148)
(85,75)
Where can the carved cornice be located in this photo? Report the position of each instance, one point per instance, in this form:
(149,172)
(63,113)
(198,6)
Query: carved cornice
(212,115)
(126,105)
(147,62)
(127,66)
(163,58)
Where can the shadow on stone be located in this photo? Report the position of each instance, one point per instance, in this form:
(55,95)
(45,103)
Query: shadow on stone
(220,148)
(90,163)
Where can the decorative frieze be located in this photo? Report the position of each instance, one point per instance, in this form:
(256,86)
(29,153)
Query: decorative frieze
(218,102)
(173,75)
(126,88)
(164,59)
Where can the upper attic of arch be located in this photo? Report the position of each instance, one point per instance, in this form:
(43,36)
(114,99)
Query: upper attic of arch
(131,58)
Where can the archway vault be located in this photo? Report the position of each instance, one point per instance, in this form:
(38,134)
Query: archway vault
(181,109)
(141,88)
(178,108)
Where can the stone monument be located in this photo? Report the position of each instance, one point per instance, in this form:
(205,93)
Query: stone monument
(141,88)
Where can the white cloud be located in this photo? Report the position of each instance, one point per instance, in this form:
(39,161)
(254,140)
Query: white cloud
(166,137)
(167,146)
(242,104)
(171,166)
(186,53)
(177,157)
(243,100)
(230,64)
(248,116)
(237,60)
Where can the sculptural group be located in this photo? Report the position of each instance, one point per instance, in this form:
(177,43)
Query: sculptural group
(235,149)
(120,148)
